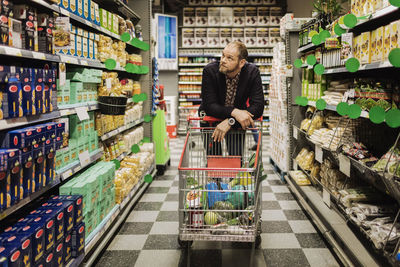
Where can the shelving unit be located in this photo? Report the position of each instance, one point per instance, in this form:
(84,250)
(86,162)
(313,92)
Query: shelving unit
(323,202)
(121,129)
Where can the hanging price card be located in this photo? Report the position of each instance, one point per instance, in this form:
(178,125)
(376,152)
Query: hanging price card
(344,165)
(295,133)
(84,158)
(326,197)
(82,113)
(295,167)
(318,153)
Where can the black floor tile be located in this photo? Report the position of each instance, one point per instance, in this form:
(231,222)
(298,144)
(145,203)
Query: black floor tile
(165,178)
(275,182)
(168,216)
(295,215)
(310,240)
(270,205)
(266,189)
(285,257)
(201,258)
(275,227)
(148,206)
(135,228)
(158,242)
(157,190)
(120,258)
(172,197)
(284,196)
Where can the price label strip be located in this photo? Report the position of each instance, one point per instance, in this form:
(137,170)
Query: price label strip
(82,113)
(84,158)
(344,165)
(295,133)
(38,55)
(318,154)
(326,197)
(13,51)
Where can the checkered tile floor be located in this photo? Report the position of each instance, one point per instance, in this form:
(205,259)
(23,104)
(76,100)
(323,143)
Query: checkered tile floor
(149,235)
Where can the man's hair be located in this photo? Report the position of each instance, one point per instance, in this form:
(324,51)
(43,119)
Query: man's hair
(242,49)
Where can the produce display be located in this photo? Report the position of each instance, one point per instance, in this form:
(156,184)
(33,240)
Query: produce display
(389,162)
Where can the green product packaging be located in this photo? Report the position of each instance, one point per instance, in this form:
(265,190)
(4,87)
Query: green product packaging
(63,88)
(73,127)
(74,76)
(66,189)
(103,18)
(59,159)
(81,188)
(110,21)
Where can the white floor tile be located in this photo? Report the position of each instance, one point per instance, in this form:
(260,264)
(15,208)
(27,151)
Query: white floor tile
(153,197)
(273,215)
(302,227)
(289,205)
(280,189)
(142,216)
(161,183)
(165,258)
(279,241)
(128,242)
(241,257)
(165,228)
(170,206)
(320,257)
(268,197)
(173,190)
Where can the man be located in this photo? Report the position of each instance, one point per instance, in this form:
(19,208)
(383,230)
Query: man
(226,87)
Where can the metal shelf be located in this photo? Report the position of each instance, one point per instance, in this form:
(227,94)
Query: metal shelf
(190,92)
(188,100)
(122,7)
(193,64)
(364,114)
(191,73)
(76,166)
(66,110)
(121,129)
(263,64)
(189,82)
(18,122)
(372,66)
(23,53)
(189,107)
(378,14)
(307,48)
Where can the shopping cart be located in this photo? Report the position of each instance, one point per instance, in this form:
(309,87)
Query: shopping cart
(219,187)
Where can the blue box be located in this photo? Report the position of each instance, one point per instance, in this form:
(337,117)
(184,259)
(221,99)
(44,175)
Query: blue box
(65,4)
(68,212)
(38,160)
(50,132)
(40,134)
(79,8)
(37,233)
(58,214)
(22,138)
(67,248)
(59,254)
(48,260)
(78,205)
(38,87)
(25,77)
(78,240)
(27,171)
(13,89)
(23,242)
(50,164)
(60,131)
(48,220)
(10,256)
(10,171)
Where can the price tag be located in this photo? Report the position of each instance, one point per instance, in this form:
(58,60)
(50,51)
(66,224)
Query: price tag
(67,174)
(84,158)
(295,133)
(295,167)
(318,153)
(84,62)
(326,197)
(352,93)
(64,12)
(344,165)
(63,74)
(345,97)
(38,55)
(82,113)
(108,83)
(13,51)
(88,23)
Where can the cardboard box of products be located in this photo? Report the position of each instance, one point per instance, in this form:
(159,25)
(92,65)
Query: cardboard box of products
(225,36)
(213,39)
(251,16)
(226,16)
(201,18)
(276,14)
(214,17)
(239,16)
(263,16)
(189,16)
(250,37)
(262,37)
(200,36)
(188,37)
(274,36)
(238,35)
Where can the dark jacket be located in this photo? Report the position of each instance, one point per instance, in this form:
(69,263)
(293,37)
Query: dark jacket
(213,92)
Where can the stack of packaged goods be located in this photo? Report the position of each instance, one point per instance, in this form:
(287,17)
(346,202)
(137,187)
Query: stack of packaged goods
(27,91)
(83,137)
(132,169)
(28,161)
(51,235)
(108,123)
(313,85)
(278,110)
(96,185)
(80,86)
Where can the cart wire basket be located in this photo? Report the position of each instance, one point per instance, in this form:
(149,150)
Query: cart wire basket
(219,187)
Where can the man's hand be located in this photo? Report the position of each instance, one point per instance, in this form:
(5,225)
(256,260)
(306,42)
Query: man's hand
(244,117)
(221,130)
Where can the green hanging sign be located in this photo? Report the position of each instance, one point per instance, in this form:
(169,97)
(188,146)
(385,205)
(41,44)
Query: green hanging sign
(350,20)
(311,60)
(110,63)
(125,37)
(343,109)
(324,34)
(394,57)
(143,69)
(395,3)
(129,67)
(393,118)
(147,118)
(352,64)
(135,148)
(140,44)
(136,98)
(316,39)
(339,30)
(354,111)
(148,178)
(320,104)
(298,63)
(117,163)
(319,69)
(297,100)
(304,101)
(146,139)
(377,114)
(143,97)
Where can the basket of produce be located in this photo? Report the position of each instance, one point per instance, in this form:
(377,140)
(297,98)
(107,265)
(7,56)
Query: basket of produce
(112,105)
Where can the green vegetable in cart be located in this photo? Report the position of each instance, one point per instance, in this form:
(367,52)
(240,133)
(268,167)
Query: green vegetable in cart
(190,181)
(224,205)
(252,160)
(211,218)
(247,218)
(234,221)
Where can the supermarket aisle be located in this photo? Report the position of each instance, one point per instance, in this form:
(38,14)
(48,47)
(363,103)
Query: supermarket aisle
(149,235)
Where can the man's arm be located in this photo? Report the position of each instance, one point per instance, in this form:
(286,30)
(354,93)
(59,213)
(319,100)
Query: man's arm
(210,97)
(256,97)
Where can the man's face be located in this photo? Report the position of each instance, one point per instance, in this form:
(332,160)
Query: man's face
(229,60)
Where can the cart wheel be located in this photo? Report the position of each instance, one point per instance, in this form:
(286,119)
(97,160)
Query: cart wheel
(192,145)
(185,244)
(169,162)
(257,241)
(161,170)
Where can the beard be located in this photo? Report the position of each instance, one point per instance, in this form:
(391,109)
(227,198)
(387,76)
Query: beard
(225,70)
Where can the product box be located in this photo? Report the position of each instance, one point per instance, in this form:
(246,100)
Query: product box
(373,46)
(37,233)
(225,36)
(79,8)
(365,44)
(92,12)
(356,47)
(28,34)
(110,21)
(86,9)
(188,37)
(6,8)
(21,241)
(58,214)
(49,230)
(68,207)
(103,18)
(78,46)
(200,18)
(262,37)
(251,16)
(346,50)
(95,50)
(239,15)
(238,35)
(256,2)
(13,89)
(38,160)
(274,36)
(22,138)
(214,18)
(10,174)
(72,6)
(189,16)
(59,254)
(97,14)
(263,16)
(219,2)
(78,202)
(200,35)
(379,44)
(10,256)
(15,33)
(213,37)
(78,240)
(85,49)
(91,49)
(48,260)
(24,12)
(27,171)
(226,16)
(395,34)
(65,4)
(115,28)
(50,164)
(38,76)
(276,14)
(67,248)
(72,51)
(386,42)
(250,37)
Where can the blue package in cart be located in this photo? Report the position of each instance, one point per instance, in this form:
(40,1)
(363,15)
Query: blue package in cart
(216,192)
